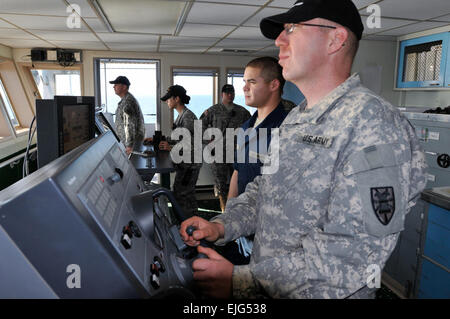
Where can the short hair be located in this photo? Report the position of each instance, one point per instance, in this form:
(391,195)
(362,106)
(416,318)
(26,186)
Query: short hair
(353,44)
(270,70)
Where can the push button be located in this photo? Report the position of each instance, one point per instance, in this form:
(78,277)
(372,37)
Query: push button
(128,231)
(154,281)
(125,240)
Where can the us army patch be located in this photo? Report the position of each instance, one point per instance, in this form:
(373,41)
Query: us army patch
(323,141)
(383,203)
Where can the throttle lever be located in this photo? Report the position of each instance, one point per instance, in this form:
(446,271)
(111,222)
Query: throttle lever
(190,230)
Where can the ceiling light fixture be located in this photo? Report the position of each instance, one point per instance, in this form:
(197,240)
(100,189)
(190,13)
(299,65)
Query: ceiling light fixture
(99,11)
(182,20)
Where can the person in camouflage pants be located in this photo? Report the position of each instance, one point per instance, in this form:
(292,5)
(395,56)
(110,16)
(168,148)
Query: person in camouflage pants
(350,169)
(222,116)
(186,172)
(129,119)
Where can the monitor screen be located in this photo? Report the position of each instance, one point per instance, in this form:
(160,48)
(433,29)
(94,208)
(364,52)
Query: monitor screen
(103,125)
(63,124)
(76,126)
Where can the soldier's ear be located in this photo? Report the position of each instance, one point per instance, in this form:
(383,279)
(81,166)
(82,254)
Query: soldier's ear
(274,85)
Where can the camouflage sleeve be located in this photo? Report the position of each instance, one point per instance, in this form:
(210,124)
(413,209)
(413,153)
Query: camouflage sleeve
(188,122)
(206,119)
(130,122)
(130,128)
(240,214)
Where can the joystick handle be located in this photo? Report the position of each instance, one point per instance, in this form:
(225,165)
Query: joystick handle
(190,230)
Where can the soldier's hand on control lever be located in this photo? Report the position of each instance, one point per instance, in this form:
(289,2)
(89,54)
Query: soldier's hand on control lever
(203,230)
(213,275)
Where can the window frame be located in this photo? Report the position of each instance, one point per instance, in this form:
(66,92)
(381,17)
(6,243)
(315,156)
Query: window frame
(215,79)
(12,128)
(25,113)
(96,66)
(51,66)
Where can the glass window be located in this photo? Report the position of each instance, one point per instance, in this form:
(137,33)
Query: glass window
(7,104)
(143,76)
(57,82)
(200,85)
(236,78)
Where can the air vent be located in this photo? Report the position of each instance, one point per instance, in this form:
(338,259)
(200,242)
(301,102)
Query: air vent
(237,51)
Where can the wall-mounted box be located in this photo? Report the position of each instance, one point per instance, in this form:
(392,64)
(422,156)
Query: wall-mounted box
(423,62)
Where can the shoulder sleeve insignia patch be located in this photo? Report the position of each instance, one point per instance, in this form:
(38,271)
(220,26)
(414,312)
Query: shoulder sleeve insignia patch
(383,203)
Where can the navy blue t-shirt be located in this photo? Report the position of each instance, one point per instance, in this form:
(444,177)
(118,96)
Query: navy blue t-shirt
(248,171)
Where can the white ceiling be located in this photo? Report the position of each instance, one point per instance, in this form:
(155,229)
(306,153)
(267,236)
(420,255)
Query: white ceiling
(208,26)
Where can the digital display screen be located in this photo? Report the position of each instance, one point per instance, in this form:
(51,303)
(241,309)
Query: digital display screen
(76,126)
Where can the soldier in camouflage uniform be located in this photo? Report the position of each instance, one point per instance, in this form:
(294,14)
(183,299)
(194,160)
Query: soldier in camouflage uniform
(129,119)
(350,169)
(222,116)
(186,173)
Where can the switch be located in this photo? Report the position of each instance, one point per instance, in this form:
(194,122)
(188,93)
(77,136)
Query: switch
(125,240)
(159,264)
(128,231)
(154,280)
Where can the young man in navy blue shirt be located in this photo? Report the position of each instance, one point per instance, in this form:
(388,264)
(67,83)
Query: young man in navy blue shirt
(263,89)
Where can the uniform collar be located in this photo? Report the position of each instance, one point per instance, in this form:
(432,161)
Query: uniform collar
(275,114)
(180,116)
(124,97)
(316,113)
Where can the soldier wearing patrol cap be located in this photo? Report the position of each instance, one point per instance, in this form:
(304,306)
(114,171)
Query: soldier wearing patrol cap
(222,116)
(350,169)
(129,119)
(186,172)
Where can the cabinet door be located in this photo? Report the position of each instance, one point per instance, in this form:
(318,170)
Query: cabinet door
(447,72)
(423,61)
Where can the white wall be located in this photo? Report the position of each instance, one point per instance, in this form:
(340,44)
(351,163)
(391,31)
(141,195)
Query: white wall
(430,99)
(167,62)
(379,53)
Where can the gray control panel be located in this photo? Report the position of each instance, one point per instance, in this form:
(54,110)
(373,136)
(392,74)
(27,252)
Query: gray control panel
(86,226)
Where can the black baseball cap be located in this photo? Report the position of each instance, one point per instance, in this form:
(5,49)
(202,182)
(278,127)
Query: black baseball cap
(121,80)
(227,88)
(174,90)
(343,12)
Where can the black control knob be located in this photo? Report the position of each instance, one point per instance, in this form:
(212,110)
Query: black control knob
(190,230)
(443,160)
(134,229)
(116,177)
(158,262)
